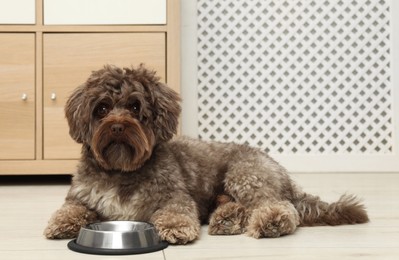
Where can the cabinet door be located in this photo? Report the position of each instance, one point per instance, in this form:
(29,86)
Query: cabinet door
(68,61)
(17,11)
(104,12)
(17,96)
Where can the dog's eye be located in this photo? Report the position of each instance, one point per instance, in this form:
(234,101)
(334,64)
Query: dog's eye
(102,110)
(135,107)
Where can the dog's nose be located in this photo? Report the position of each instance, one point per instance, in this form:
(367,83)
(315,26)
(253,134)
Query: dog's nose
(117,129)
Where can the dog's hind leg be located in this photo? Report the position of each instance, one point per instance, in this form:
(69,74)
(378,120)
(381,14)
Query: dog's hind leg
(263,187)
(273,220)
(228,219)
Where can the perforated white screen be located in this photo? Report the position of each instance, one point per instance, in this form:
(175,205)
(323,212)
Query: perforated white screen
(296,76)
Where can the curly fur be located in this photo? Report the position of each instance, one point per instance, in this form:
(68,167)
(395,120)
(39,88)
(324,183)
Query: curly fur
(132,169)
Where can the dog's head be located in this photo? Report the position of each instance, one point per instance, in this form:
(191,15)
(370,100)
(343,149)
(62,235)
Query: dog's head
(121,114)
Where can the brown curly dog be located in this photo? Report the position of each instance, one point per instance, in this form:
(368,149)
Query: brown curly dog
(132,169)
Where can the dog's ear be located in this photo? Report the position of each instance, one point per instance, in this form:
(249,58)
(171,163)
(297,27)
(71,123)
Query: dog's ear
(166,108)
(78,127)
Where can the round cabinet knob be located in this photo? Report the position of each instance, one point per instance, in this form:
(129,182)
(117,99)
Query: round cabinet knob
(24,96)
(53,96)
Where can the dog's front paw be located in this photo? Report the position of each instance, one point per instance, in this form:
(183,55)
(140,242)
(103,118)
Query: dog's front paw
(273,221)
(67,221)
(177,229)
(61,230)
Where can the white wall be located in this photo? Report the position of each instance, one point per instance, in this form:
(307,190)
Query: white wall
(189,67)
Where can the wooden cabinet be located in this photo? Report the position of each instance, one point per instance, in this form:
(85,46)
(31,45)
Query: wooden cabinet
(41,64)
(17,96)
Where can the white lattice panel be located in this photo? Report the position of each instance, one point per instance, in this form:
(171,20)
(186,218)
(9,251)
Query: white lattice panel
(297,76)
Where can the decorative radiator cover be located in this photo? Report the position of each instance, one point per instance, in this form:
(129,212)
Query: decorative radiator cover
(309,81)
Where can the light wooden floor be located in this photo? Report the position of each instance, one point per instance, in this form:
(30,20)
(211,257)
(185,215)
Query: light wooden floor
(25,209)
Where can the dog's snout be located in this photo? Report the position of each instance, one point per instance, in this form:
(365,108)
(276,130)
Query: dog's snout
(117,129)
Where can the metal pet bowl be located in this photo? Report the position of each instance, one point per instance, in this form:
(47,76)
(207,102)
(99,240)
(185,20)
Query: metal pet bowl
(117,238)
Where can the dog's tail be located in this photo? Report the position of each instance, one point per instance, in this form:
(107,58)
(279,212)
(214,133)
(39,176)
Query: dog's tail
(315,212)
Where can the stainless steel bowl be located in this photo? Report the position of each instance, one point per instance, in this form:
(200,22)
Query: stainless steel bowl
(117,237)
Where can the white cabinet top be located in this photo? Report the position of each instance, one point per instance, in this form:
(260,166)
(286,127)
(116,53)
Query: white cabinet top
(17,12)
(104,12)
